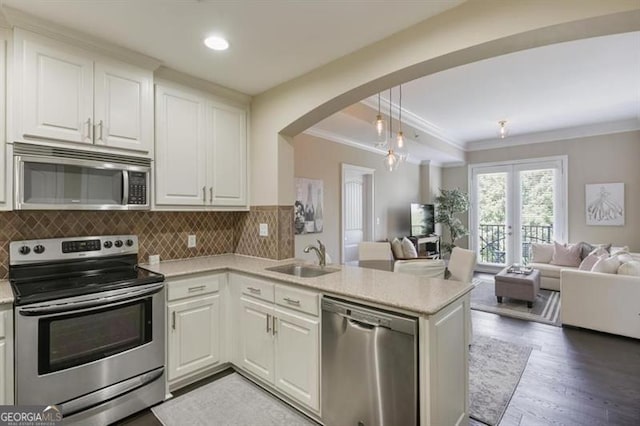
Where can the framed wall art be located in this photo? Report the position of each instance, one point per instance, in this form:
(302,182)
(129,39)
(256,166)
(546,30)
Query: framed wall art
(605,204)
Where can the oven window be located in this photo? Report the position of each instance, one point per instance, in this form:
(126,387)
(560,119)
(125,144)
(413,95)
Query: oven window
(71,340)
(68,185)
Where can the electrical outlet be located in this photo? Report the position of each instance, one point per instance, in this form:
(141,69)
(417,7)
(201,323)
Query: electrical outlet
(191,241)
(264,230)
(154,259)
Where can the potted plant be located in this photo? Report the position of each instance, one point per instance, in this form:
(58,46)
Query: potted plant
(449,205)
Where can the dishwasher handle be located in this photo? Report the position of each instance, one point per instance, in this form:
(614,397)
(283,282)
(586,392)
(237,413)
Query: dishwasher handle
(360,324)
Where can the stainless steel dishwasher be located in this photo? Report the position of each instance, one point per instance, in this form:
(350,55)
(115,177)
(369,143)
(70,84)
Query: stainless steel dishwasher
(369,366)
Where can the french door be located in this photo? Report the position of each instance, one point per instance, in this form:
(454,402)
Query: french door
(514,205)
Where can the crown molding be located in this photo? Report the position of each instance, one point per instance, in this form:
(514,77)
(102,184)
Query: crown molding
(334,137)
(16,18)
(558,134)
(416,122)
(173,76)
(453,164)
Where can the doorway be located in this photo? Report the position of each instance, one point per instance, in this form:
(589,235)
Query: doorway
(357,210)
(516,204)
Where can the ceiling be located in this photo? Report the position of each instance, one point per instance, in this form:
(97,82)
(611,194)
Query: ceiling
(272,41)
(565,90)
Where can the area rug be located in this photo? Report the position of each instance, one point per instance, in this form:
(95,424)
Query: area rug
(229,401)
(546,308)
(495,368)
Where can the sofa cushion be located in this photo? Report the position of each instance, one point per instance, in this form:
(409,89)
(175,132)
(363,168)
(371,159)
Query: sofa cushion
(408,249)
(541,253)
(566,255)
(630,268)
(588,262)
(396,248)
(548,270)
(607,265)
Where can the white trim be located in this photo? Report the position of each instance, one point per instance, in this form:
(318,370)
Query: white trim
(371,198)
(561,229)
(415,121)
(557,135)
(335,137)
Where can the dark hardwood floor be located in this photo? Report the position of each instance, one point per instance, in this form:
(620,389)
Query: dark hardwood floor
(574,377)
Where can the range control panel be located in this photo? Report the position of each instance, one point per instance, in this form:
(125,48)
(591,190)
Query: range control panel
(53,249)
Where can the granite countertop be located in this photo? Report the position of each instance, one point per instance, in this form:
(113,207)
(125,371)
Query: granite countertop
(412,293)
(6,294)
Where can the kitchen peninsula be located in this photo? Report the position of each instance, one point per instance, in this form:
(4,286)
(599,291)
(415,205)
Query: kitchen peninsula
(231,297)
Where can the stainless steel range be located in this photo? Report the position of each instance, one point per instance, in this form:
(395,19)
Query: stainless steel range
(89,327)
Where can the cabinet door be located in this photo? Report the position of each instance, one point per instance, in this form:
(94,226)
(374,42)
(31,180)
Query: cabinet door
(194,335)
(180,150)
(5,179)
(228,155)
(297,357)
(56,91)
(123,106)
(256,338)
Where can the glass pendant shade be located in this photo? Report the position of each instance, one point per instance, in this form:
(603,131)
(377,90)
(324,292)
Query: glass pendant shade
(381,131)
(503,132)
(391,161)
(401,146)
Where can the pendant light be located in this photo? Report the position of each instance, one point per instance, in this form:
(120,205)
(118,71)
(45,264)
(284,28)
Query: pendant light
(391,159)
(381,128)
(503,132)
(401,143)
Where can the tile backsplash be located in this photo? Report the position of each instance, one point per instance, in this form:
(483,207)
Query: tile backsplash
(163,233)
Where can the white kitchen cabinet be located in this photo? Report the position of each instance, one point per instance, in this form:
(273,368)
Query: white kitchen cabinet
(256,338)
(194,335)
(180,148)
(5,169)
(66,94)
(278,337)
(195,325)
(201,150)
(297,355)
(228,155)
(6,354)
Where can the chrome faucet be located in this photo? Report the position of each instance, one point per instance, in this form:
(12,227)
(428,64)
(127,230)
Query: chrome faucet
(321,252)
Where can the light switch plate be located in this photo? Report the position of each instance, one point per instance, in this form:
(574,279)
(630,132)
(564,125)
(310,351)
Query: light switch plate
(154,259)
(264,230)
(191,241)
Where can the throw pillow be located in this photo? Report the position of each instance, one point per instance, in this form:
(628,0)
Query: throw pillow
(607,265)
(408,249)
(565,255)
(630,268)
(588,262)
(588,248)
(619,250)
(585,249)
(599,251)
(541,253)
(396,248)
(623,257)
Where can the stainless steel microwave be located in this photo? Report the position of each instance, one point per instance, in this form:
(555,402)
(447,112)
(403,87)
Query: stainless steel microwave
(47,178)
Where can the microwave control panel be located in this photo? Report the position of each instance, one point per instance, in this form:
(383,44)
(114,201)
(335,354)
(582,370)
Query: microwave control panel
(137,188)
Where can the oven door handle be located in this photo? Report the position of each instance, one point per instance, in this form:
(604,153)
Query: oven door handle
(54,308)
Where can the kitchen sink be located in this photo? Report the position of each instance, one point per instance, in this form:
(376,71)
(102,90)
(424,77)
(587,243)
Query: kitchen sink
(305,271)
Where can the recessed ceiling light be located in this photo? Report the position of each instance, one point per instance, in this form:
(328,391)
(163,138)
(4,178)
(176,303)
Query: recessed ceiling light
(216,43)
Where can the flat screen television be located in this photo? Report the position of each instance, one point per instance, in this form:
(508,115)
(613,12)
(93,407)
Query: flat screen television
(422,220)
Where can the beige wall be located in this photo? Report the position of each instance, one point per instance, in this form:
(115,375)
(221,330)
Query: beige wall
(470,32)
(317,158)
(596,159)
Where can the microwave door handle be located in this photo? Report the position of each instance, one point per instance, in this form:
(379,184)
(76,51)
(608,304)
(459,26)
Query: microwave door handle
(125,187)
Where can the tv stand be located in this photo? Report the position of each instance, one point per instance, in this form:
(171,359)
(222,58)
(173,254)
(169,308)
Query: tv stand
(432,245)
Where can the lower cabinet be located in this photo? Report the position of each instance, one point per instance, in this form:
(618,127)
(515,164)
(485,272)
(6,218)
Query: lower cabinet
(278,344)
(194,325)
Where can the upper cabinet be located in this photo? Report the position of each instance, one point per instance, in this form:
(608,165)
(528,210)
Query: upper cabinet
(5,169)
(65,94)
(201,150)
